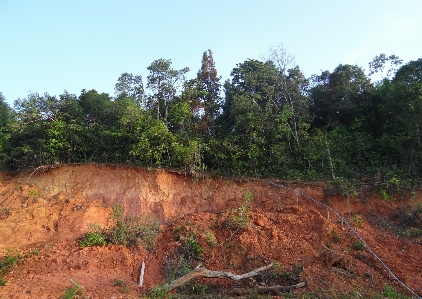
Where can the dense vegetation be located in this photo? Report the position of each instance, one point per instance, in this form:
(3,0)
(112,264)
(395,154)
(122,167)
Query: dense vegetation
(267,120)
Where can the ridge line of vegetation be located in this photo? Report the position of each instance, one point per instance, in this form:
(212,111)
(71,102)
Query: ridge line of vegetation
(268,120)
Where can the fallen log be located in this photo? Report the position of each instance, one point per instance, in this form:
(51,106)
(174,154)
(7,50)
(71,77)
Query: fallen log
(204,272)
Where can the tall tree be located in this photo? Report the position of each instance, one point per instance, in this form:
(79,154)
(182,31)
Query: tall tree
(131,87)
(291,86)
(210,84)
(162,81)
(339,97)
(385,67)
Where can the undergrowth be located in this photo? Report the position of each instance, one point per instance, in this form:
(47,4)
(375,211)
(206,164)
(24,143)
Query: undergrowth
(7,263)
(238,218)
(128,231)
(74,292)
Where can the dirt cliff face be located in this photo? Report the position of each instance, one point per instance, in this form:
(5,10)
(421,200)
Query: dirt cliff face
(44,213)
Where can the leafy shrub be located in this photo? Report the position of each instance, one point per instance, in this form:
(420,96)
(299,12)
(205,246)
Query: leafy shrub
(73,292)
(386,196)
(95,236)
(128,231)
(335,237)
(239,217)
(194,248)
(391,293)
(413,232)
(357,245)
(131,231)
(358,220)
(9,261)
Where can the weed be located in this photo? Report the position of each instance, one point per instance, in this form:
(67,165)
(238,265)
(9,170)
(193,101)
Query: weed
(297,269)
(32,193)
(210,238)
(413,232)
(386,196)
(9,261)
(199,289)
(159,292)
(358,220)
(131,231)
(35,252)
(360,256)
(128,231)
(193,247)
(177,269)
(391,293)
(95,236)
(335,237)
(2,281)
(123,288)
(239,217)
(73,292)
(357,245)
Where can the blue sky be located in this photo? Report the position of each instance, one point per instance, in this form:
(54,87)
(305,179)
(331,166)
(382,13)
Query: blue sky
(53,45)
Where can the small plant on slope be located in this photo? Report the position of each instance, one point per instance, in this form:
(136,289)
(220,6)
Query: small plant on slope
(239,217)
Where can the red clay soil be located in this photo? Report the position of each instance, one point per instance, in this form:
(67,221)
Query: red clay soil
(44,213)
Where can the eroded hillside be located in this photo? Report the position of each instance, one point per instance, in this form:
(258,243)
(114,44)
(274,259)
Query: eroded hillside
(44,213)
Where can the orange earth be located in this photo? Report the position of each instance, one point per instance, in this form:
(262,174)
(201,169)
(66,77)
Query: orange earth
(44,212)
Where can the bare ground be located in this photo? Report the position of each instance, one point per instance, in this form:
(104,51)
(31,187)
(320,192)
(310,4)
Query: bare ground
(44,213)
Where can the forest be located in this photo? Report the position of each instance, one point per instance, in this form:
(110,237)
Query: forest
(267,120)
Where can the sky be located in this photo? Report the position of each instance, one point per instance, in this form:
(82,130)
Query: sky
(56,45)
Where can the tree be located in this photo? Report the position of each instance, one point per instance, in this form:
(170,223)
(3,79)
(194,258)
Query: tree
(162,81)
(210,84)
(131,87)
(5,112)
(291,87)
(339,97)
(379,63)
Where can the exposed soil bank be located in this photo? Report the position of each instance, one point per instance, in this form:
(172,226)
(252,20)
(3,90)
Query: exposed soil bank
(44,213)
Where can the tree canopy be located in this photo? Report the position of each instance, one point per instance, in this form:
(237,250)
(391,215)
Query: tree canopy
(267,119)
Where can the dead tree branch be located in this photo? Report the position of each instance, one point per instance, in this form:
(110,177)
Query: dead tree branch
(204,272)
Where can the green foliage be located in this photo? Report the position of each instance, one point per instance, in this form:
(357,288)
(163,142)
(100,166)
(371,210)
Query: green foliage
(2,282)
(357,245)
(128,231)
(335,237)
(391,293)
(9,261)
(131,231)
(358,220)
(73,292)
(273,122)
(413,232)
(386,196)
(239,217)
(159,292)
(95,236)
(194,247)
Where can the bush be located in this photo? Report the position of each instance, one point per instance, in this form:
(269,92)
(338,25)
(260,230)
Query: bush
(239,217)
(357,245)
(95,236)
(128,231)
(73,292)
